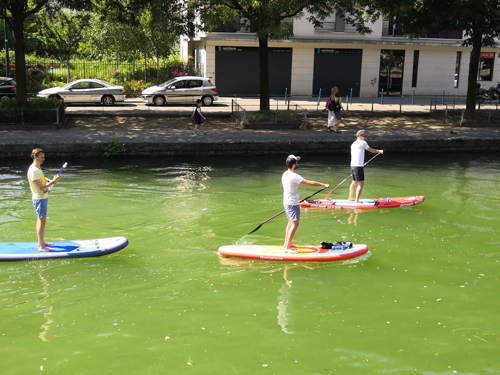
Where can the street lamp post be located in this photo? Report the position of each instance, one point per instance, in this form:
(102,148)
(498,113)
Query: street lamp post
(7,61)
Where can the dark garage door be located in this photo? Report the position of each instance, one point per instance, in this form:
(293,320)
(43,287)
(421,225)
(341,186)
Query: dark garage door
(237,70)
(337,67)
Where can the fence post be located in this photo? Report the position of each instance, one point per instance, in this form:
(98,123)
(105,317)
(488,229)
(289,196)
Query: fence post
(319,99)
(244,117)
(430,108)
(232,106)
(445,113)
(84,75)
(400,102)
(382,97)
(462,119)
(413,97)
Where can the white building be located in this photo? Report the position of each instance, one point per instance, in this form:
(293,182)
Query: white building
(336,55)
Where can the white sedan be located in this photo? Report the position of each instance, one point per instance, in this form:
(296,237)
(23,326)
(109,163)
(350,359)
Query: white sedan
(86,91)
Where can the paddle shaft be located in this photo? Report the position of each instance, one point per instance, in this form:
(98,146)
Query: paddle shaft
(336,187)
(282,212)
(60,171)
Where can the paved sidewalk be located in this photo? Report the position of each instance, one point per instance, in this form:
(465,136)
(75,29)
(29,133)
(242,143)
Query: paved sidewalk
(169,131)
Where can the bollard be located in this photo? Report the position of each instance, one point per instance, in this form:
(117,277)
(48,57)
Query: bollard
(373,99)
(413,97)
(350,99)
(442,101)
(319,99)
(347,101)
(286,89)
(462,119)
(382,97)
(400,102)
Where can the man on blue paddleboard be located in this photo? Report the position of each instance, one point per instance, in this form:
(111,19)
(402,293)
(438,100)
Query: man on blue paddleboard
(358,148)
(39,186)
(291,181)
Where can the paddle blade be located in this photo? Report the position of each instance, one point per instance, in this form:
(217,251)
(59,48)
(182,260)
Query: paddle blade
(255,230)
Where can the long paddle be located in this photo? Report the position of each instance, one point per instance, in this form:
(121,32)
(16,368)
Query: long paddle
(336,187)
(261,224)
(61,171)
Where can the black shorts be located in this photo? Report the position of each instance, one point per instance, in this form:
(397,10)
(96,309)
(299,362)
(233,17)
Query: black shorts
(358,174)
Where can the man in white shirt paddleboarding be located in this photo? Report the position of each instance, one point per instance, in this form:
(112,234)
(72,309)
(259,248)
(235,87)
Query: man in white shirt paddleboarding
(358,148)
(40,195)
(291,181)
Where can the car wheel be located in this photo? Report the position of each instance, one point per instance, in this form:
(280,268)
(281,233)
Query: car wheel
(108,100)
(57,97)
(4,97)
(207,100)
(159,100)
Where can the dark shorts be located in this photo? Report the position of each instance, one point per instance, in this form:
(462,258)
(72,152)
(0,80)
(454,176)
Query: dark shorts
(198,120)
(358,174)
(292,212)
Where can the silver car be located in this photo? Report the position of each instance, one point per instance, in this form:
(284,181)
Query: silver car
(185,89)
(86,91)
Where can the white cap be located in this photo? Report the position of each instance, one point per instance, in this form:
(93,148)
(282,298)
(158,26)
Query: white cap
(292,157)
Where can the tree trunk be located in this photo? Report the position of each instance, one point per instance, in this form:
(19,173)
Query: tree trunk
(473,68)
(264,73)
(18,30)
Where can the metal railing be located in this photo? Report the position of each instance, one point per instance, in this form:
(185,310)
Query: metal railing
(26,116)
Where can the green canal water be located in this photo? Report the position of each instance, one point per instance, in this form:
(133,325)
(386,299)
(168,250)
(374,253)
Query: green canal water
(425,300)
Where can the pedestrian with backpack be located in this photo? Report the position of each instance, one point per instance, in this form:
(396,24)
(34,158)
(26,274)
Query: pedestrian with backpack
(335,106)
(330,108)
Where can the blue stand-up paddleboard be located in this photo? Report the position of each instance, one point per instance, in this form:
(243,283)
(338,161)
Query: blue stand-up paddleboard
(62,249)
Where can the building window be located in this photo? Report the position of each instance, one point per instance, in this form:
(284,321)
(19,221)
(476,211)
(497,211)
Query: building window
(457,69)
(414,75)
(333,23)
(485,72)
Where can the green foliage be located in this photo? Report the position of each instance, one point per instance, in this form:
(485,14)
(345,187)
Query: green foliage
(114,148)
(282,117)
(36,111)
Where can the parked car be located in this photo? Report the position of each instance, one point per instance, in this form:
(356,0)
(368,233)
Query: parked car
(7,88)
(186,89)
(86,91)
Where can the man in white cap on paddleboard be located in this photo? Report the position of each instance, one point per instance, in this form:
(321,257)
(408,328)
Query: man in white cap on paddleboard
(358,148)
(291,181)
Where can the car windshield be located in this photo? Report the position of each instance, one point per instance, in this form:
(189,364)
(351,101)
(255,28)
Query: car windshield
(168,82)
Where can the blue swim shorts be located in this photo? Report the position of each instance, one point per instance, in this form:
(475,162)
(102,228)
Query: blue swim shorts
(41,206)
(292,212)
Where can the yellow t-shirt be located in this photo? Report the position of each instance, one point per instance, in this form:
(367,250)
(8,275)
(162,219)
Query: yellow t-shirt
(34,174)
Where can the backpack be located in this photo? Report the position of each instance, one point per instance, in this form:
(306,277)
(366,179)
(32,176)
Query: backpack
(334,105)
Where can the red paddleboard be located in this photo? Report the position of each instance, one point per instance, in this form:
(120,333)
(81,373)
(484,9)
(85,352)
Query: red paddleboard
(303,253)
(363,203)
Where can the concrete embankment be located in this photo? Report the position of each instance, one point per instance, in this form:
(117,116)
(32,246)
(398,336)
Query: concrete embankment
(163,136)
